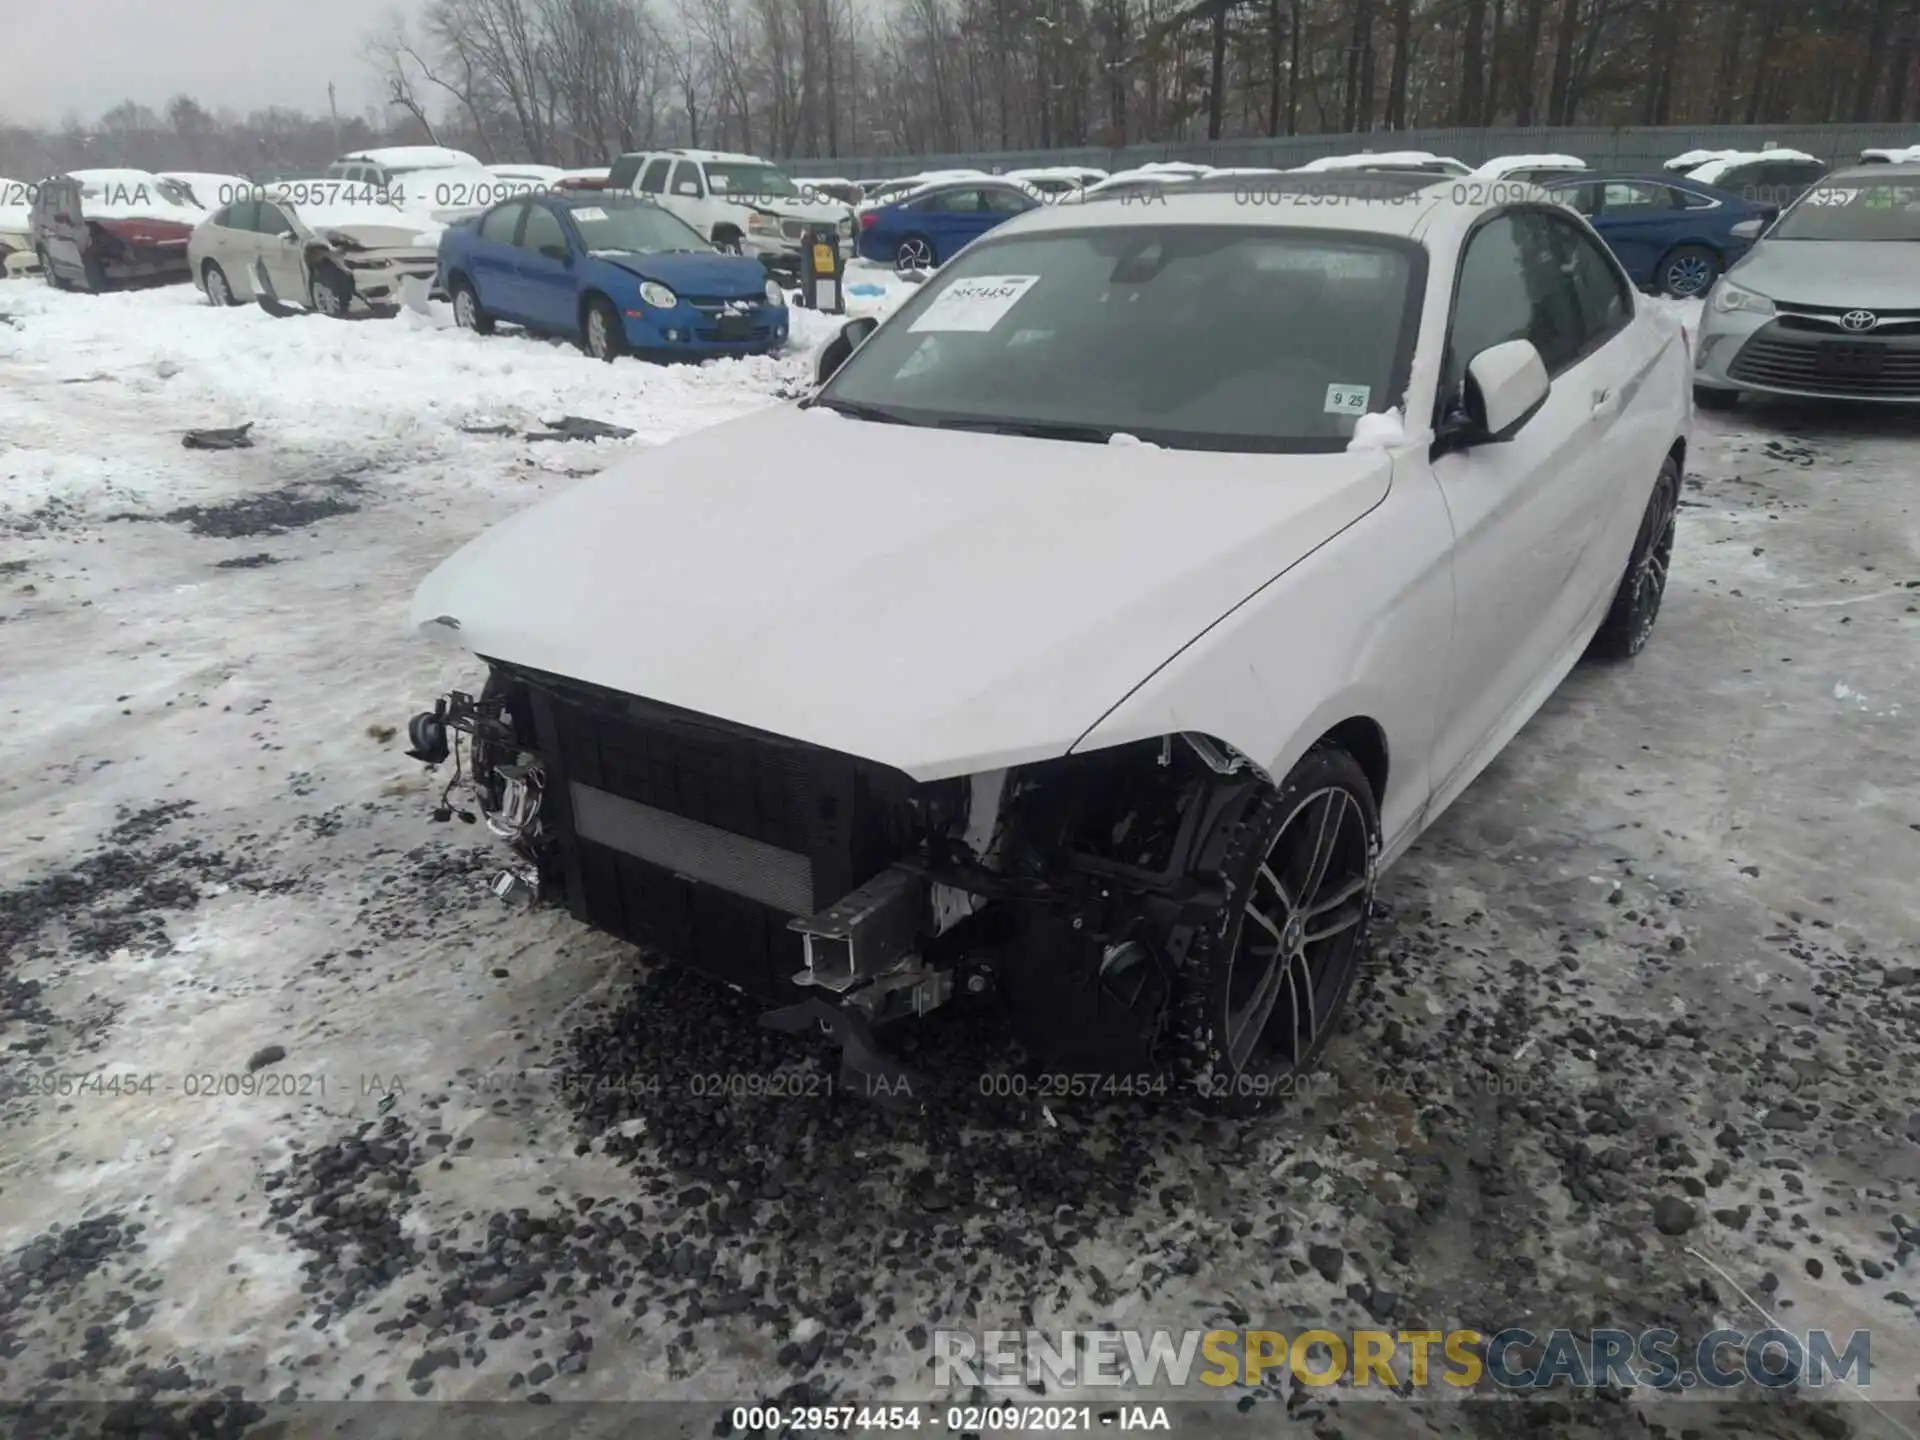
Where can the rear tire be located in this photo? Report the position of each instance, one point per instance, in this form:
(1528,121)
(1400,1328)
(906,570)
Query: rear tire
(1687,272)
(1265,982)
(467,313)
(1636,604)
(915,252)
(1708,397)
(219,292)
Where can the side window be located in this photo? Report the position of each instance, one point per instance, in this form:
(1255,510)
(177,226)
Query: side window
(1627,195)
(273,221)
(243,215)
(655,180)
(620,177)
(339,170)
(219,218)
(1583,198)
(1559,330)
(1490,304)
(501,223)
(957,202)
(1605,300)
(1007,202)
(686,180)
(1687,200)
(543,228)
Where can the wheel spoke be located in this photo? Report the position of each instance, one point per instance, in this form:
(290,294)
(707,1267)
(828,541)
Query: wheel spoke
(1245,1024)
(1265,872)
(1333,812)
(1346,892)
(1305,1017)
(1343,921)
(1260,918)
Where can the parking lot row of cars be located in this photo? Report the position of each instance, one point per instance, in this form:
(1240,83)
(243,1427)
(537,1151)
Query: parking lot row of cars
(693,253)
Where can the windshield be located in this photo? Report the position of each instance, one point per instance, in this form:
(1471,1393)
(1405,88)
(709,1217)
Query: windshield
(1854,210)
(625,224)
(1210,338)
(745,181)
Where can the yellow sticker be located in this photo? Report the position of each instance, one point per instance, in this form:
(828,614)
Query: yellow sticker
(823,259)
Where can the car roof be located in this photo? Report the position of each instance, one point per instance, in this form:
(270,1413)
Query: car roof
(728,156)
(1894,170)
(425,156)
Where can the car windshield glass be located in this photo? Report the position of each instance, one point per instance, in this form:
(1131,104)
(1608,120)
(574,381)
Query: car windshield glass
(1224,338)
(630,225)
(1854,210)
(742,181)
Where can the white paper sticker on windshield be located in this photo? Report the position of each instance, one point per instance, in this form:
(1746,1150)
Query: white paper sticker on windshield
(1347,399)
(589,212)
(977,304)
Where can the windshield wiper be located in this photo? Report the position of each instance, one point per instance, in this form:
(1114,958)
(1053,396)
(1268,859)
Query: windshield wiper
(1033,429)
(878,414)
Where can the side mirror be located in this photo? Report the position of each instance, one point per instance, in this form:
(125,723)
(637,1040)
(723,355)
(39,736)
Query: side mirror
(838,349)
(555,252)
(287,235)
(1506,383)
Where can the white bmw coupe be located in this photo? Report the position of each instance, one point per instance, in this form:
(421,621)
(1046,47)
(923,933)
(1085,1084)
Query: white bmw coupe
(1100,628)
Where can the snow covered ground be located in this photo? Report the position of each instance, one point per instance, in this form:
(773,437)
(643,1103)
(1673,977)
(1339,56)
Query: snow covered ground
(290,1104)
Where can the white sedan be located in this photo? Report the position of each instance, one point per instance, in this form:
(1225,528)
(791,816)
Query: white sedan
(1175,566)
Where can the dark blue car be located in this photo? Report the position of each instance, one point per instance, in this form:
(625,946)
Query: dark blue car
(616,273)
(926,228)
(1674,236)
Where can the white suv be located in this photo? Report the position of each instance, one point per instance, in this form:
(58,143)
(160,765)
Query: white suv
(739,202)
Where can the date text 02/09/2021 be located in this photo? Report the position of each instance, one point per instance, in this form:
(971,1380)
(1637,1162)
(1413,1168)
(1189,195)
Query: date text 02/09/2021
(954,1419)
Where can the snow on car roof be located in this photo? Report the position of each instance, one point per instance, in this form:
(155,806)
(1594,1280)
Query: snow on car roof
(1507,164)
(1076,173)
(413,157)
(1688,159)
(1713,169)
(131,195)
(14,219)
(1372,159)
(1895,155)
(526,172)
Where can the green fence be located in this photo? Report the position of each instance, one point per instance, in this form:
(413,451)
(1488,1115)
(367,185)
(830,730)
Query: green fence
(1625,148)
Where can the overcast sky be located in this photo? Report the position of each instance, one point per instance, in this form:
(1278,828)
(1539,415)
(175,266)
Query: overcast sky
(61,57)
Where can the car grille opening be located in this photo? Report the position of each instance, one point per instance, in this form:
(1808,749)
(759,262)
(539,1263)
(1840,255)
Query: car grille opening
(699,839)
(1830,363)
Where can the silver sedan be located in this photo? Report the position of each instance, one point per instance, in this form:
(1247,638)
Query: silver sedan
(1827,304)
(325,250)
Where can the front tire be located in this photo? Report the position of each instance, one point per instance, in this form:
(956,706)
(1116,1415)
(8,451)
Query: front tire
(1707,397)
(1636,604)
(1265,982)
(1687,272)
(601,335)
(328,294)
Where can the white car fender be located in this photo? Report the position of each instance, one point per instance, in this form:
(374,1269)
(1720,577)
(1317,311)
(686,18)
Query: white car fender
(1371,644)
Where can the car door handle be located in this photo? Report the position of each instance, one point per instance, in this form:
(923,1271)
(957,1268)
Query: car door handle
(1605,402)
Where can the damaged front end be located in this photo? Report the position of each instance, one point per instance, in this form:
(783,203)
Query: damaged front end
(842,892)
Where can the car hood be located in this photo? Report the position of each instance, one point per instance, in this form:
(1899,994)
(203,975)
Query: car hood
(941,602)
(1868,274)
(723,277)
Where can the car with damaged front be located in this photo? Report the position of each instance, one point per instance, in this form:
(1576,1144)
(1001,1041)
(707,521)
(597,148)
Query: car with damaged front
(1174,568)
(323,244)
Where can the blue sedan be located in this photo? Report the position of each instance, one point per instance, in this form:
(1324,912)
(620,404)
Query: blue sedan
(616,273)
(1673,236)
(925,228)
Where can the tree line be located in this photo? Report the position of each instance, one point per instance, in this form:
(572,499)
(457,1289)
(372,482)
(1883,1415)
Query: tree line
(575,82)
